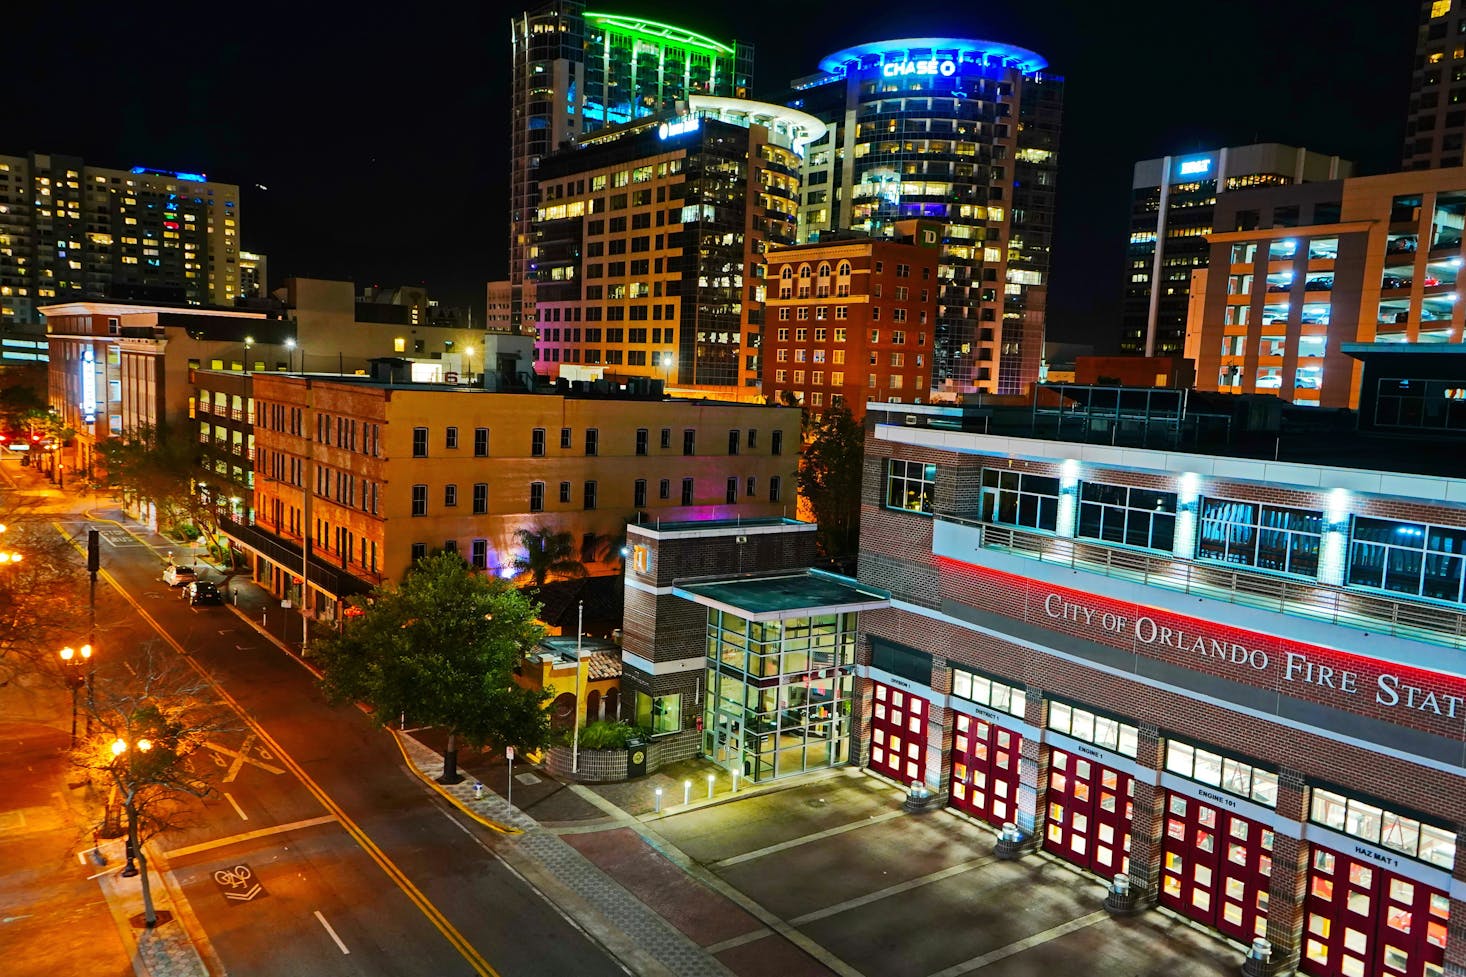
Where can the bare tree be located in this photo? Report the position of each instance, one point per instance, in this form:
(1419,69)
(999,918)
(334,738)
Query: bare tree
(150,717)
(42,598)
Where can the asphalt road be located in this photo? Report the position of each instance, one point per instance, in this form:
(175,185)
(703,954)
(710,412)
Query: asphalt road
(360,868)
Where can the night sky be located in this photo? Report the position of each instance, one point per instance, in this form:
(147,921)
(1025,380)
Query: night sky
(381,138)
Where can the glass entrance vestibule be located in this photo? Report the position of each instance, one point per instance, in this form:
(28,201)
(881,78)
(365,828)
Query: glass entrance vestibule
(779,693)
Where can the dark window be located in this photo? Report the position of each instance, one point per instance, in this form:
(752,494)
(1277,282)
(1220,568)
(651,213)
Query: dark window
(590,494)
(480,498)
(450,546)
(731,495)
(910,485)
(419,500)
(666,438)
(536,496)
(752,489)
(592,440)
(752,438)
(565,492)
(664,489)
(537,442)
(450,437)
(775,489)
(1408,558)
(419,442)
(479,554)
(450,495)
(776,443)
(419,550)
(638,495)
(1131,516)
(689,442)
(1264,536)
(687,491)
(1016,499)
(642,438)
(565,438)
(480,442)
(733,440)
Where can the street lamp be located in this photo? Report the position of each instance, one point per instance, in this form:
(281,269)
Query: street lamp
(290,357)
(667,365)
(73,661)
(129,802)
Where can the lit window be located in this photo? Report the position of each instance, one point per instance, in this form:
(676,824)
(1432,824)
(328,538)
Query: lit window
(1440,8)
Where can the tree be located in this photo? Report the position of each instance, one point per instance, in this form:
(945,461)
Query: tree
(149,719)
(160,465)
(546,554)
(42,603)
(829,479)
(441,648)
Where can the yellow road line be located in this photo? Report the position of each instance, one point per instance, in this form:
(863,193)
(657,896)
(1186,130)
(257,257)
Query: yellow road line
(249,836)
(503,829)
(424,905)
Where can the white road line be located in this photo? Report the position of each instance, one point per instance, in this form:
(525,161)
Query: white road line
(235,804)
(332,932)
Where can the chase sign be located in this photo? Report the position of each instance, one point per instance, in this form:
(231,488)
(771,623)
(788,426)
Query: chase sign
(946,68)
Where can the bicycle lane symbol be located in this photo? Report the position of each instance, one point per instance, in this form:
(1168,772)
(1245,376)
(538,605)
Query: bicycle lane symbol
(238,885)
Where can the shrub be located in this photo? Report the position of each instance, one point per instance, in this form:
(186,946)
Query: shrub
(604,734)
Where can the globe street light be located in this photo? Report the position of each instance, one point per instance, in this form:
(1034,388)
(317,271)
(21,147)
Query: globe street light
(290,357)
(7,556)
(119,747)
(73,663)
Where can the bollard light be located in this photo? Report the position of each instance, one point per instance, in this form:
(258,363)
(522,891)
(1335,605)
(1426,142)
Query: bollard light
(710,786)
(686,792)
(659,800)
(1262,950)
(478,791)
(735,780)
(1010,833)
(1121,885)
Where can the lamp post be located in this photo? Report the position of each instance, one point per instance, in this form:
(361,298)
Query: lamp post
(7,556)
(575,716)
(290,357)
(72,661)
(249,342)
(129,802)
(667,365)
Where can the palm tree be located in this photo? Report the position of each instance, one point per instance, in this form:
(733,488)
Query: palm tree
(546,554)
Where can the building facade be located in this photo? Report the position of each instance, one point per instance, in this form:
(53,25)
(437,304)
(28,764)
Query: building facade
(1173,208)
(648,240)
(847,321)
(1297,272)
(1238,682)
(398,470)
(70,231)
(575,73)
(1436,121)
(945,129)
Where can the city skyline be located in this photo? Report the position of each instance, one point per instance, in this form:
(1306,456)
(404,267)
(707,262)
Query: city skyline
(329,115)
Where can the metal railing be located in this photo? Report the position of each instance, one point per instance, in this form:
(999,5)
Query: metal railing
(1314,601)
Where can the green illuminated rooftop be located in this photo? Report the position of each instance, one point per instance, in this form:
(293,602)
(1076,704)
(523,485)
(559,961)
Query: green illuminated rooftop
(801,594)
(657,32)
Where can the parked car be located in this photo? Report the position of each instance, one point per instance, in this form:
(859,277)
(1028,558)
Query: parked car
(1450,239)
(1395,281)
(203,592)
(177,576)
(1401,245)
(1319,284)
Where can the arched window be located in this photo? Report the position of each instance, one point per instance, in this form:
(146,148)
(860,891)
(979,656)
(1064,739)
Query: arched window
(804,271)
(844,270)
(786,273)
(825,269)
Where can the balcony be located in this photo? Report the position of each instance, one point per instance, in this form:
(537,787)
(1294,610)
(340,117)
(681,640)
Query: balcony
(1295,598)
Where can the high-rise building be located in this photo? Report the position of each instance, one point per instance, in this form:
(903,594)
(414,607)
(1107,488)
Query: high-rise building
(648,238)
(1172,208)
(851,320)
(577,72)
(961,131)
(1299,273)
(70,231)
(1436,124)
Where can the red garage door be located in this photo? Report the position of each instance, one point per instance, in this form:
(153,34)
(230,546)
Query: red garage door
(1215,867)
(1090,807)
(985,769)
(897,733)
(1363,921)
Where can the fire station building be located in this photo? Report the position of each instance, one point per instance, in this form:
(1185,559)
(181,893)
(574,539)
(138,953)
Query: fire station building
(1237,680)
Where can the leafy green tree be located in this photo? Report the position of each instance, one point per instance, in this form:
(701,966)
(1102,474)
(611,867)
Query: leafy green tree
(161,466)
(829,479)
(441,649)
(547,554)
